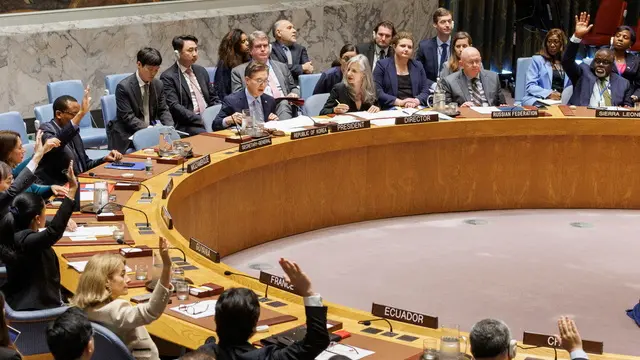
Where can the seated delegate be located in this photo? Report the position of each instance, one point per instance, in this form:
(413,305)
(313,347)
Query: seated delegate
(334,75)
(356,92)
(545,77)
(627,64)
(460,41)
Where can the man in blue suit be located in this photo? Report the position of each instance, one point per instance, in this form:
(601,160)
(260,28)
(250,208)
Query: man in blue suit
(261,106)
(594,85)
(434,52)
(286,49)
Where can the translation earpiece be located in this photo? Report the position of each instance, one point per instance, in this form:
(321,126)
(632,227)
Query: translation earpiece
(176,53)
(513,348)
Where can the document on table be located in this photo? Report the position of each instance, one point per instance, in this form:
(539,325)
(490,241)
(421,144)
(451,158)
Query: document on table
(484,110)
(297,123)
(197,310)
(550,102)
(86,195)
(86,231)
(386,114)
(351,352)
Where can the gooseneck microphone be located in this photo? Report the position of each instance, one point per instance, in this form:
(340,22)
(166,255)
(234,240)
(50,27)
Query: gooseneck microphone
(184,256)
(126,207)
(368,323)
(266,291)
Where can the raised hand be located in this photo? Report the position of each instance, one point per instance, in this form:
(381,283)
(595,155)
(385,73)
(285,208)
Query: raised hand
(569,337)
(164,251)
(38,148)
(582,25)
(51,144)
(296,277)
(72,179)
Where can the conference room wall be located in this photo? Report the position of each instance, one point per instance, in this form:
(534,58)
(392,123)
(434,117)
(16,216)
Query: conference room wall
(34,55)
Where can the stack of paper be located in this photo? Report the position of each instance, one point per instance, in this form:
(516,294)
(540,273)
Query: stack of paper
(290,125)
(484,110)
(87,231)
(197,310)
(386,114)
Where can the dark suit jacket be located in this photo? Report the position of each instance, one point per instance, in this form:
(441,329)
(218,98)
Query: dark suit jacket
(176,90)
(315,341)
(130,117)
(341,94)
(56,160)
(9,354)
(386,78)
(456,87)
(428,56)
(631,73)
(368,50)
(327,80)
(237,102)
(222,80)
(298,56)
(20,184)
(583,80)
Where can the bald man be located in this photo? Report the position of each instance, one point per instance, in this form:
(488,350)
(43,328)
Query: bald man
(473,86)
(286,49)
(595,85)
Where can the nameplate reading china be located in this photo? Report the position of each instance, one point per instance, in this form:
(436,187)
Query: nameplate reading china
(406,316)
(550,341)
(199,164)
(168,220)
(514,114)
(416,119)
(204,250)
(254,144)
(276,281)
(309,133)
(167,189)
(351,126)
(625,114)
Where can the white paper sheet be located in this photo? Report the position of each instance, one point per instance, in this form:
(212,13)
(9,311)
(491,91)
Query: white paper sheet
(78,265)
(287,125)
(86,195)
(384,122)
(352,352)
(130,250)
(201,309)
(386,114)
(91,231)
(484,110)
(550,102)
(343,119)
(83,238)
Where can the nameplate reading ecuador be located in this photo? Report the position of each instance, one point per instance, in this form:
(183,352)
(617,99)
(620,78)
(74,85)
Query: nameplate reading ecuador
(351,126)
(254,144)
(276,281)
(309,133)
(199,164)
(625,114)
(406,316)
(416,119)
(512,114)
(204,250)
(168,220)
(550,341)
(167,189)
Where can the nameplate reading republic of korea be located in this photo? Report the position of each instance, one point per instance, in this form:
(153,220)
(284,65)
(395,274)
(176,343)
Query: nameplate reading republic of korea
(416,119)
(406,316)
(309,133)
(199,164)
(254,144)
(168,220)
(512,114)
(276,281)
(543,340)
(625,114)
(204,250)
(351,126)
(167,189)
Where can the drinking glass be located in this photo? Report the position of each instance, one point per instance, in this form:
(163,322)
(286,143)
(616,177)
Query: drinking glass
(453,108)
(182,290)
(636,106)
(430,349)
(141,272)
(247,120)
(450,342)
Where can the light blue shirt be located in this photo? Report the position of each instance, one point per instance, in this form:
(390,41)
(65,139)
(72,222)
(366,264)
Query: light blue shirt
(578,354)
(255,107)
(448,42)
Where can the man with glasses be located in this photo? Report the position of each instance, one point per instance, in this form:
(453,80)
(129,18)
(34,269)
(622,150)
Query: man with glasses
(594,85)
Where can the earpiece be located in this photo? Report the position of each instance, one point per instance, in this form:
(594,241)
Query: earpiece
(513,347)
(176,53)
(453,24)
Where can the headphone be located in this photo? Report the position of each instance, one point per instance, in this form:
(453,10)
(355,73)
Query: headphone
(513,347)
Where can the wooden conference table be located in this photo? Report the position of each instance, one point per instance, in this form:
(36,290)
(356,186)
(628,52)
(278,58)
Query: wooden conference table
(293,186)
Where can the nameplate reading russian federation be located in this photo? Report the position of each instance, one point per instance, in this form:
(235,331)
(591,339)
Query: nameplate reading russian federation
(204,250)
(351,126)
(168,220)
(167,189)
(511,114)
(254,144)
(276,281)
(416,119)
(550,341)
(406,316)
(199,164)
(625,114)
(309,133)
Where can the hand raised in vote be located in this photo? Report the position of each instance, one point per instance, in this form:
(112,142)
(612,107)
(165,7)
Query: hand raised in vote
(373,109)
(272,117)
(296,277)
(582,25)
(164,252)
(569,337)
(341,108)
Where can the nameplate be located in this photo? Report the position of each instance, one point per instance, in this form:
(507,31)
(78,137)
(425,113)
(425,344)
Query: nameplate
(416,119)
(405,316)
(204,250)
(309,133)
(167,189)
(351,126)
(254,144)
(625,114)
(276,281)
(543,340)
(512,114)
(168,220)
(199,164)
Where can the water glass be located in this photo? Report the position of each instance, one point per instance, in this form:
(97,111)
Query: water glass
(247,120)
(182,289)
(452,108)
(177,274)
(141,272)
(430,349)
(118,232)
(636,106)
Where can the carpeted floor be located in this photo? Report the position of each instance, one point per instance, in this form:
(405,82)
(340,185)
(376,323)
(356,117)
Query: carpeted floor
(526,267)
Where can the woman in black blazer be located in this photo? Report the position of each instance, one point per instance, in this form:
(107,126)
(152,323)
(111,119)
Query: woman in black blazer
(233,51)
(8,350)
(626,64)
(356,92)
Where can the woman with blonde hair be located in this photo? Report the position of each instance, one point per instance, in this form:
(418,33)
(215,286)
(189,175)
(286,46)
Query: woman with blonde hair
(356,92)
(101,284)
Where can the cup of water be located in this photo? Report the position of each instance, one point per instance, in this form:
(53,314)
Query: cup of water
(430,349)
(141,272)
(182,290)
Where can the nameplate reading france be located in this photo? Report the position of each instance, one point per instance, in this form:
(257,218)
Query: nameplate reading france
(309,133)
(625,114)
(351,126)
(416,119)
(406,316)
(199,164)
(168,220)
(512,114)
(550,341)
(167,189)
(276,281)
(254,144)
(204,250)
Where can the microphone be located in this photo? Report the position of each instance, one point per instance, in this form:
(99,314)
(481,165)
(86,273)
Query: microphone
(266,291)
(368,323)
(126,207)
(184,256)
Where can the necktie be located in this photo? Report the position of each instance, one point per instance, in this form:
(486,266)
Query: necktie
(200,103)
(274,86)
(287,52)
(145,104)
(382,55)
(605,94)
(256,111)
(443,56)
(477,95)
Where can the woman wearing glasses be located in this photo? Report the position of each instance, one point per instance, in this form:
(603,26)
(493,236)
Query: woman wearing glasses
(545,77)
(334,75)
(233,51)
(100,287)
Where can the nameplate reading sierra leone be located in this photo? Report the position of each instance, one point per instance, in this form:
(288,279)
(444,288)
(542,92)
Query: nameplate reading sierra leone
(511,114)
(204,250)
(416,119)
(309,133)
(626,114)
(550,341)
(254,144)
(406,316)
(276,281)
(351,126)
(199,164)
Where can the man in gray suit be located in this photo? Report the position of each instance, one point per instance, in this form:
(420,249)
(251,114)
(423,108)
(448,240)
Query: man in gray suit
(280,83)
(473,86)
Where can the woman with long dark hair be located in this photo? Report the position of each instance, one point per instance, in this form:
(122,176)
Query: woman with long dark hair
(460,41)
(334,74)
(545,77)
(233,51)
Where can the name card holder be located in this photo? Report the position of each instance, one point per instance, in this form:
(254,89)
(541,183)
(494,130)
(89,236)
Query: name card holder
(166,217)
(356,125)
(277,282)
(549,341)
(204,250)
(138,251)
(624,114)
(177,160)
(237,139)
(417,119)
(206,290)
(405,316)
(254,144)
(514,114)
(198,164)
(309,133)
(114,216)
(167,189)
(126,186)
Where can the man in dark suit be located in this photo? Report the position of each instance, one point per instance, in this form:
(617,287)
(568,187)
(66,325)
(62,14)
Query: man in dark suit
(261,106)
(473,86)
(379,48)
(140,100)
(434,52)
(595,85)
(70,336)
(237,313)
(187,86)
(65,126)
(286,49)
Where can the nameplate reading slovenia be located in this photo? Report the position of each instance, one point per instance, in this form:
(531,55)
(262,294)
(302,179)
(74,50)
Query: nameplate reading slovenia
(277,282)
(406,316)
(309,133)
(550,341)
(356,125)
(204,250)
(167,189)
(168,220)
(416,119)
(512,114)
(625,114)
(254,144)
(199,164)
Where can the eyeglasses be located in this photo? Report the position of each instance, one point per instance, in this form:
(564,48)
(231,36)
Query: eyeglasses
(260,81)
(350,350)
(70,113)
(602,62)
(193,309)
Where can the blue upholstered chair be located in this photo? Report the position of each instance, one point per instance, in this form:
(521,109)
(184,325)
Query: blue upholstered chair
(521,77)
(111,81)
(209,115)
(307,84)
(32,326)
(150,137)
(108,346)
(109,109)
(566,94)
(43,114)
(212,72)
(13,121)
(314,104)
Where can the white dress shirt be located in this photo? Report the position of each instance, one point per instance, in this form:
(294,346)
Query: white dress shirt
(192,88)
